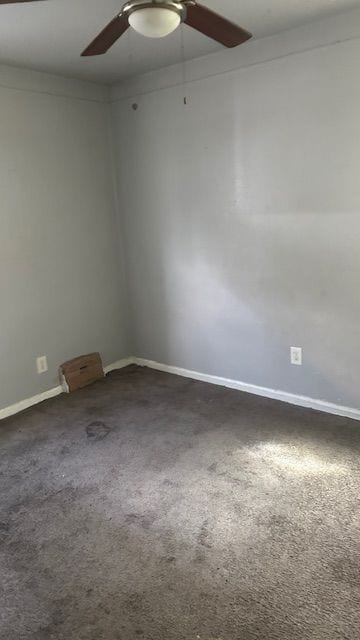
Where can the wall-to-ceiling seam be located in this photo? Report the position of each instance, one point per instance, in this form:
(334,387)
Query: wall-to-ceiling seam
(236,69)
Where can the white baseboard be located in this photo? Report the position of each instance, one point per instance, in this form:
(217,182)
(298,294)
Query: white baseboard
(29,402)
(51,393)
(119,364)
(265,392)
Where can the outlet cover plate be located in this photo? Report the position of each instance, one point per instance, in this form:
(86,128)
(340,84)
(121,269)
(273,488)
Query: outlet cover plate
(41,364)
(296,356)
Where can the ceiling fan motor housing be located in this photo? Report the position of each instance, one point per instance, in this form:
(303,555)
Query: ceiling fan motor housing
(173,5)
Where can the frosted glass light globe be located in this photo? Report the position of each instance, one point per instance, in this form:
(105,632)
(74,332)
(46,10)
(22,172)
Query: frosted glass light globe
(154,22)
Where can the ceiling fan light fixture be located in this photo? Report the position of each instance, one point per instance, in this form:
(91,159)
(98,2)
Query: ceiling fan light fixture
(159,18)
(155,22)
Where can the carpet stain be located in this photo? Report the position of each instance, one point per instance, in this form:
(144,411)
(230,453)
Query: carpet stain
(97,430)
(345,570)
(170,559)
(171,484)
(144,521)
(203,537)
(134,602)
(65,450)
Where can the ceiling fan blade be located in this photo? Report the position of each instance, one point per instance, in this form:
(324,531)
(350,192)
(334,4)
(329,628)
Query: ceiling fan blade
(14,1)
(108,36)
(214,26)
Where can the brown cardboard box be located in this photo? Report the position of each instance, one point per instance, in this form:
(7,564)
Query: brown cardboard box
(81,371)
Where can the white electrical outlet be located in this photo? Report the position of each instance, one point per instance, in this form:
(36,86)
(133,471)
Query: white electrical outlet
(296,356)
(41,364)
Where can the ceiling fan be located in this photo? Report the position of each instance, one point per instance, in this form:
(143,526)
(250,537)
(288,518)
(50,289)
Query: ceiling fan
(159,18)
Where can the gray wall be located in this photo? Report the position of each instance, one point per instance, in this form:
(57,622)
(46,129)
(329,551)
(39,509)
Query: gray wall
(238,217)
(241,215)
(61,286)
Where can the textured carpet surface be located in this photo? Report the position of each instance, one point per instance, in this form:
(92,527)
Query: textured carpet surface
(151,506)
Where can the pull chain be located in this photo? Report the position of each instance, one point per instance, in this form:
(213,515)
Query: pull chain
(183,64)
(130,54)
(130,58)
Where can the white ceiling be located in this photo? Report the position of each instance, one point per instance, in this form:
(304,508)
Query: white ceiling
(50,35)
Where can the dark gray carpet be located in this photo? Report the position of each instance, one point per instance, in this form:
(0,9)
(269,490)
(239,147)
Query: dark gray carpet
(150,506)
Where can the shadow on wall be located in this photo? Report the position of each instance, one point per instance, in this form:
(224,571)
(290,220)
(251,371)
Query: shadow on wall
(238,316)
(246,244)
